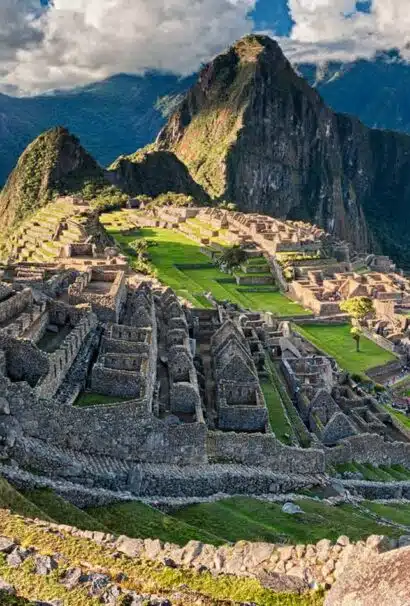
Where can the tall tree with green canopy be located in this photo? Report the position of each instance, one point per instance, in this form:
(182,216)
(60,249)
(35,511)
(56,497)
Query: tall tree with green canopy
(358,307)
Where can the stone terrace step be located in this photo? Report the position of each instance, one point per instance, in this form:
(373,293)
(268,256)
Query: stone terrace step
(148,480)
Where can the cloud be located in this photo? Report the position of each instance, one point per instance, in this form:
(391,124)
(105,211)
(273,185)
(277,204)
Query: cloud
(336,29)
(73,42)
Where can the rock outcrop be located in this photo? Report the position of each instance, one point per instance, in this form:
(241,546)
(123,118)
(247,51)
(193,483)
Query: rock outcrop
(253,132)
(374,580)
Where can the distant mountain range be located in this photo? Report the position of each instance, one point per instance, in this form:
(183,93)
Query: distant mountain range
(124,113)
(376,91)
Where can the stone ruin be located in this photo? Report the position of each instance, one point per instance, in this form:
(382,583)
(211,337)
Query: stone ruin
(177,407)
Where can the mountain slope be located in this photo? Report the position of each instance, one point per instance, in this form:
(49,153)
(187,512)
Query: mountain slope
(255,133)
(112,117)
(54,164)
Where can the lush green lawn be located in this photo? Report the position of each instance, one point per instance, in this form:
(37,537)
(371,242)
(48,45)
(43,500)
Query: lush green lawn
(243,518)
(230,520)
(396,513)
(173,255)
(337,342)
(62,511)
(135,519)
(277,418)
(11,499)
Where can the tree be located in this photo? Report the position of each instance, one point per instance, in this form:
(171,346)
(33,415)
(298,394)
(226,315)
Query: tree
(356,334)
(358,307)
(233,257)
(225,205)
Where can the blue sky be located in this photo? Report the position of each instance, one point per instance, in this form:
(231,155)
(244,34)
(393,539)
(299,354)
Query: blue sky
(273,15)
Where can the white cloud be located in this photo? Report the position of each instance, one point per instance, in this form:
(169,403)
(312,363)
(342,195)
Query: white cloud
(334,29)
(78,41)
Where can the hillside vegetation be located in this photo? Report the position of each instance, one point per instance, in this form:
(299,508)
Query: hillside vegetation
(53,165)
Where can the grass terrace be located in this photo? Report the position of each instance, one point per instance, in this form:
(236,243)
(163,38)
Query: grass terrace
(337,342)
(400,416)
(395,473)
(139,520)
(243,518)
(87,399)
(181,265)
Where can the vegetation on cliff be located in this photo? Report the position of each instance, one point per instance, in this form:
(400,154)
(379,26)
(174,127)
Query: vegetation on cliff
(54,165)
(154,173)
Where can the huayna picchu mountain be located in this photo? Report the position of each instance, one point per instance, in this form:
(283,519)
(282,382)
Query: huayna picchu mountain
(253,132)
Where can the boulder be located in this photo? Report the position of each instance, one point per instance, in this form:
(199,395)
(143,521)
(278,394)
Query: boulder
(131,547)
(98,582)
(374,580)
(71,578)
(17,557)
(7,545)
(280,583)
(44,564)
(291,508)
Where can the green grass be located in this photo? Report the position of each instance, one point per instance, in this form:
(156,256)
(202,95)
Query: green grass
(337,342)
(138,520)
(11,499)
(298,426)
(243,518)
(400,514)
(400,416)
(375,474)
(173,250)
(277,418)
(86,399)
(62,511)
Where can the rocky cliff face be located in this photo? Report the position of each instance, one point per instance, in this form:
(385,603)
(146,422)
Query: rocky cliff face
(255,133)
(53,164)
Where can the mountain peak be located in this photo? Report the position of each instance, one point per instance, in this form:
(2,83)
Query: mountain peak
(249,48)
(54,164)
(252,132)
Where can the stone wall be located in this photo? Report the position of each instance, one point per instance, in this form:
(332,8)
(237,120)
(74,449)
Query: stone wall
(124,430)
(369,448)
(60,361)
(308,299)
(264,450)
(24,361)
(379,340)
(15,304)
(108,306)
(305,565)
